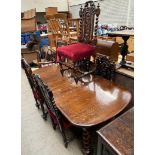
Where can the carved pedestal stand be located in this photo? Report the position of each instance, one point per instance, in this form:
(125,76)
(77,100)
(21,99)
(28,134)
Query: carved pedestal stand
(124,50)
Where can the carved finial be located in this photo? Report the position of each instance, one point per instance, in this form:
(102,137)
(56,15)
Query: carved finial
(98,5)
(80,12)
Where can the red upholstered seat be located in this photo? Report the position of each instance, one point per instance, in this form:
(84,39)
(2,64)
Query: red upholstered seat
(76,51)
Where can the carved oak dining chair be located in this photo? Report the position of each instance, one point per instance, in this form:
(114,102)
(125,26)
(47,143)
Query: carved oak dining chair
(56,117)
(36,93)
(105,66)
(85,48)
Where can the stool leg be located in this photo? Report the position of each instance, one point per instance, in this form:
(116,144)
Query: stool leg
(61,68)
(94,58)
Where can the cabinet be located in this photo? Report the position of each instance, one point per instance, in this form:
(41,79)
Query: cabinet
(117,137)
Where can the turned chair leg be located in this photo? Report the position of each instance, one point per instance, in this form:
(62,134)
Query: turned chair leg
(37,104)
(65,138)
(44,115)
(86,142)
(53,123)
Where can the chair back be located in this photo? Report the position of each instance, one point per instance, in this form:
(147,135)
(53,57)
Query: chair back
(35,88)
(88,16)
(105,67)
(26,67)
(28,72)
(49,100)
(59,28)
(55,27)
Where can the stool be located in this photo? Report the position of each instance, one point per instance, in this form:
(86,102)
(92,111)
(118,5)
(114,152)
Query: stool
(76,53)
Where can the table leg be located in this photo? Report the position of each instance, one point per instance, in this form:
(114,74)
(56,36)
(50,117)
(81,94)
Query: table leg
(86,142)
(124,50)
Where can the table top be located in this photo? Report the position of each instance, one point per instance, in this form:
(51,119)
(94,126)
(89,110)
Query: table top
(121,33)
(84,105)
(119,134)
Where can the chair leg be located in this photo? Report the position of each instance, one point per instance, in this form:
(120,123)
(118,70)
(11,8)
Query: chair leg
(53,123)
(61,69)
(62,130)
(86,142)
(76,79)
(44,115)
(37,104)
(65,139)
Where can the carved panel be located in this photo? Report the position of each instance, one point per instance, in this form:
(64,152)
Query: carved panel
(87,16)
(105,67)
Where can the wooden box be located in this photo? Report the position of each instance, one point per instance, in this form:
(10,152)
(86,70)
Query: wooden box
(109,48)
(28,22)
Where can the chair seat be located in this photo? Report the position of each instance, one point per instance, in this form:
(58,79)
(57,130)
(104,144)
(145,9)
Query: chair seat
(76,51)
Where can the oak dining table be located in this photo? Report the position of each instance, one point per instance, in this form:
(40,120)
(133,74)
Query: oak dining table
(85,105)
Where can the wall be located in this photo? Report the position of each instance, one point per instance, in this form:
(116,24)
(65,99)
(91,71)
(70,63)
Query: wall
(120,12)
(40,5)
(76,2)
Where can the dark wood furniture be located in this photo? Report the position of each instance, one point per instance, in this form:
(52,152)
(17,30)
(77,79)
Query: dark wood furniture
(35,89)
(105,67)
(118,136)
(125,34)
(85,48)
(56,117)
(130,43)
(28,22)
(85,105)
